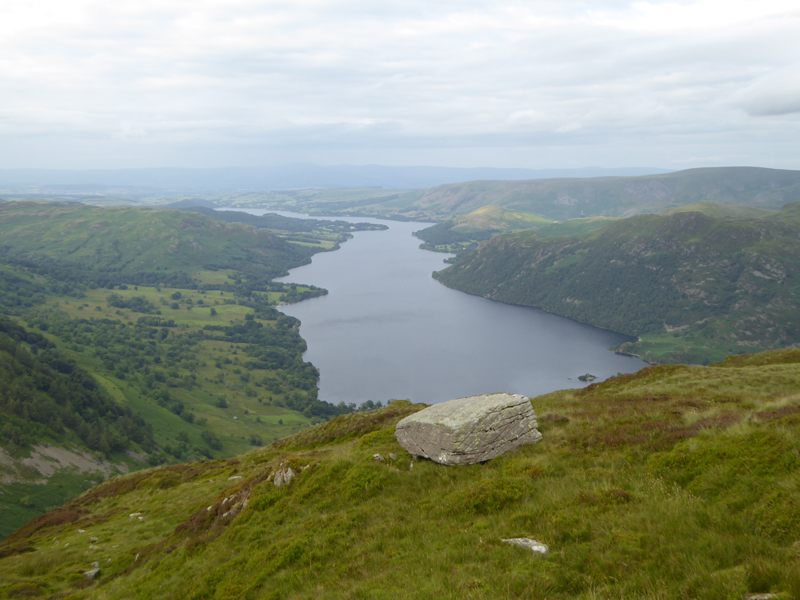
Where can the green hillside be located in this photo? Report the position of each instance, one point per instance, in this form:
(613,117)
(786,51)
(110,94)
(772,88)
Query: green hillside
(693,288)
(463,233)
(140,246)
(134,337)
(676,482)
(720,211)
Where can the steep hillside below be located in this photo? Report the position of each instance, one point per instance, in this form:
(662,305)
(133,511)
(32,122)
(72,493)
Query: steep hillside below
(675,482)
(694,288)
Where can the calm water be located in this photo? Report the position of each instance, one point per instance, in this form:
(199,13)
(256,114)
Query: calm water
(388,330)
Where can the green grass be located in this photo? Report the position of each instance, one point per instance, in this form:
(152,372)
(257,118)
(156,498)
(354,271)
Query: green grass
(245,399)
(721,211)
(675,482)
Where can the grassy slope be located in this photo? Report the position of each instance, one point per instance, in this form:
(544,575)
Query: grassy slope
(720,211)
(498,219)
(463,233)
(693,287)
(675,482)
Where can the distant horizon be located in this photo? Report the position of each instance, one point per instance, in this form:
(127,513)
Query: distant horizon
(146,182)
(276,177)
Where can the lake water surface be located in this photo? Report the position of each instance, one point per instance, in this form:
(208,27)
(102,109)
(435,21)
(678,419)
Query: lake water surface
(388,330)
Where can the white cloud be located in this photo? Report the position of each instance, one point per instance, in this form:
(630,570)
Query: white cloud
(381,79)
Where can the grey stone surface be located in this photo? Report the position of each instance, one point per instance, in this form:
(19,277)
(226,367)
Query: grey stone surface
(91,574)
(469,430)
(528,544)
(283,476)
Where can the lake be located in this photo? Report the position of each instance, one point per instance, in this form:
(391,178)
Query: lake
(388,330)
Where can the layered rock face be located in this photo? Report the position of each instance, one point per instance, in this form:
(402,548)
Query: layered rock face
(469,430)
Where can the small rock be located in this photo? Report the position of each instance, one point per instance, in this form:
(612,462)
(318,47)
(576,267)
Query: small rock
(528,544)
(306,467)
(761,597)
(92,573)
(234,477)
(81,531)
(95,565)
(393,457)
(93,539)
(93,547)
(283,476)
(134,515)
(209,508)
(140,518)
(377,457)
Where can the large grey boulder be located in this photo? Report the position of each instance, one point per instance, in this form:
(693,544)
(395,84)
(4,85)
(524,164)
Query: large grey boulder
(469,430)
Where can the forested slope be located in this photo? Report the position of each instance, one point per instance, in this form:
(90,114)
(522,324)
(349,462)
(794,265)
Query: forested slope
(693,287)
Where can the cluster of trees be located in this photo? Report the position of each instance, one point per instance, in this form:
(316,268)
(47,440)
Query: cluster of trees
(46,396)
(138,304)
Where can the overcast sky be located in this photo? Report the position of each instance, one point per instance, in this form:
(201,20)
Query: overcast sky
(537,84)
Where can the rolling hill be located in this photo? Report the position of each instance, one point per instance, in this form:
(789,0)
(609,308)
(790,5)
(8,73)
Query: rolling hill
(562,199)
(691,287)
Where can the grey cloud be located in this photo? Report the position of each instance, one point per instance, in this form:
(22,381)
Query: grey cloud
(773,95)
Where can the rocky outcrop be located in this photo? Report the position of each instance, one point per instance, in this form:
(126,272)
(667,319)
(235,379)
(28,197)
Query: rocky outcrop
(283,476)
(469,430)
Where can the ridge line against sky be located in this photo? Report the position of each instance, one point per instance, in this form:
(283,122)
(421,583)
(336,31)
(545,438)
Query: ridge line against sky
(541,85)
